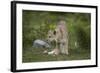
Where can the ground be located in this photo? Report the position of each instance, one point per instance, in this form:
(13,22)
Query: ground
(36,55)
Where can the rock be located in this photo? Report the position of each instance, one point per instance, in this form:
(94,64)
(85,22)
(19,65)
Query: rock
(40,44)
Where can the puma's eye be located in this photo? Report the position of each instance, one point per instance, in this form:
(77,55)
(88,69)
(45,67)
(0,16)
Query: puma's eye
(49,36)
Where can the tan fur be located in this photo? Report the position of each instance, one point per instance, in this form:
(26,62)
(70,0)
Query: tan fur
(61,37)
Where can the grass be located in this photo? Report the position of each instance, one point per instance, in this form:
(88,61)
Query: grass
(36,55)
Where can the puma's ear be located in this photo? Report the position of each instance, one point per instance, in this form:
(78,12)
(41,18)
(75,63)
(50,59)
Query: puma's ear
(54,32)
